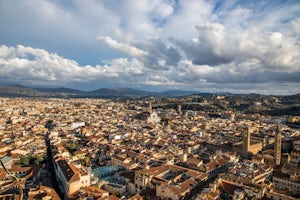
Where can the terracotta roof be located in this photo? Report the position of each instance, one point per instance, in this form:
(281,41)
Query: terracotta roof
(110,197)
(2,173)
(136,197)
(18,168)
(194,161)
(95,189)
(43,192)
(118,157)
(71,173)
(184,187)
(229,188)
(155,171)
(96,192)
(210,166)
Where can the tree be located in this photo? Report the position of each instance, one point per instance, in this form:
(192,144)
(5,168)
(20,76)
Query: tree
(25,160)
(85,161)
(72,146)
(30,159)
(118,194)
(38,159)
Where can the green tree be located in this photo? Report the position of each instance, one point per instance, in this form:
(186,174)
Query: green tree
(30,159)
(25,160)
(85,161)
(72,146)
(38,159)
(118,194)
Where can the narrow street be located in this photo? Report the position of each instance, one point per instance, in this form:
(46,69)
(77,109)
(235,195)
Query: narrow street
(51,168)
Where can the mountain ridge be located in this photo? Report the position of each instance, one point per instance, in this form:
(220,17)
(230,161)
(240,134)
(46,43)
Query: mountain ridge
(115,92)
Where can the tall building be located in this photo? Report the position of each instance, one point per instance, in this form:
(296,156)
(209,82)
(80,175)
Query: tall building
(277,146)
(150,107)
(179,109)
(246,142)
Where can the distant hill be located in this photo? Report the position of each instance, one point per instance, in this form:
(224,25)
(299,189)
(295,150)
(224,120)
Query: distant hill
(205,94)
(177,93)
(120,92)
(18,91)
(23,91)
(63,92)
(129,92)
(60,90)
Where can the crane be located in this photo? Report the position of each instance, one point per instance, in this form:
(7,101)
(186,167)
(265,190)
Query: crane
(15,181)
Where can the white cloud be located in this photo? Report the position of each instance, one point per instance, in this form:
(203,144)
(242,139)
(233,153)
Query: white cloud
(189,13)
(126,48)
(181,43)
(26,63)
(36,66)
(162,10)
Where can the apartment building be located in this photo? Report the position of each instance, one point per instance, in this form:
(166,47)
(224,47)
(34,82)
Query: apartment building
(70,178)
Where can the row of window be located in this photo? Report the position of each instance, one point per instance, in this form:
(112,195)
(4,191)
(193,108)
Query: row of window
(287,184)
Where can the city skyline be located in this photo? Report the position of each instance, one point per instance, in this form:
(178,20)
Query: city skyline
(207,46)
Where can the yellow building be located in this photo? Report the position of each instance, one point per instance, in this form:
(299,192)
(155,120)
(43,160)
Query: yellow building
(70,178)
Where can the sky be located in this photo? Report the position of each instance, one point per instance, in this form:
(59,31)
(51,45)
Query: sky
(250,46)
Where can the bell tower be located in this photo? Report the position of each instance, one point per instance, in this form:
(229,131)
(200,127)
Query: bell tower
(277,146)
(246,142)
(150,107)
(179,109)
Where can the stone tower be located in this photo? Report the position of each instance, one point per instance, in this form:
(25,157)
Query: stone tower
(179,109)
(246,142)
(150,107)
(277,146)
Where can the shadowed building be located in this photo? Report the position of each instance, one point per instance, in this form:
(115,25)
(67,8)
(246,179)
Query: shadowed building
(246,147)
(250,147)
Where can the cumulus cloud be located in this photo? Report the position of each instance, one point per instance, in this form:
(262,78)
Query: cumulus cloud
(251,56)
(153,53)
(35,66)
(126,48)
(185,43)
(26,63)
(160,55)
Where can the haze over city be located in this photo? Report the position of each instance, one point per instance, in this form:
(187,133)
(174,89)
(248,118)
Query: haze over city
(209,46)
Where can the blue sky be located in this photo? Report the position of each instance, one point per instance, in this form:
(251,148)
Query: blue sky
(209,46)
